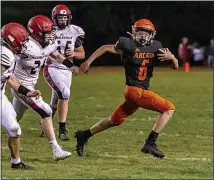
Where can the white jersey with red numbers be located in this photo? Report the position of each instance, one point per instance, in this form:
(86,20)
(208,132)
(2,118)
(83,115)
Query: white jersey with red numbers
(29,62)
(67,37)
(6,56)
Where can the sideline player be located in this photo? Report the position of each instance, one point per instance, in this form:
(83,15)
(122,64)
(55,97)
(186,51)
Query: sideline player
(139,55)
(70,39)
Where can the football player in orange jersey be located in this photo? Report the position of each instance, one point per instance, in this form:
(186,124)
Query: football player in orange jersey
(139,56)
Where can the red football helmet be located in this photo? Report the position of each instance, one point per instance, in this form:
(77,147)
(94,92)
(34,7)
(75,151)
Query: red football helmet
(143,31)
(15,35)
(41,29)
(61,16)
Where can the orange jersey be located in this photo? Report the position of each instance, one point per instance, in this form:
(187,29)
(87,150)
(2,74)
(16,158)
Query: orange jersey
(138,61)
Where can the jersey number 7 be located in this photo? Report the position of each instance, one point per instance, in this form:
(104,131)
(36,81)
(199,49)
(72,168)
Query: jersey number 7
(143,70)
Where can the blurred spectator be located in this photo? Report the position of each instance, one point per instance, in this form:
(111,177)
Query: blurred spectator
(197,54)
(210,54)
(184,51)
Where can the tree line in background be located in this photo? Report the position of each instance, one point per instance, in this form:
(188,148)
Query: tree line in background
(104,22)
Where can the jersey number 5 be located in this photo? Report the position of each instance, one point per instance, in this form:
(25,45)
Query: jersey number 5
(33,70)
(143,70)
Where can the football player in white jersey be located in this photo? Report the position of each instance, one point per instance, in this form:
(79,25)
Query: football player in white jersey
(14,35)
(28,64)
(70,39)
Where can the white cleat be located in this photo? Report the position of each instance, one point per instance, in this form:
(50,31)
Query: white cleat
(59,154)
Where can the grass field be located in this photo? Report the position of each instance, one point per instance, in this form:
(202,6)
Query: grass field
(187,140)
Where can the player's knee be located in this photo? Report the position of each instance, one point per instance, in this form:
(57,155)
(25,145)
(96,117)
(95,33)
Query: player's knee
(169,106)
(170,112)
(47,111)
(65,93)
(117,119)
(14,130)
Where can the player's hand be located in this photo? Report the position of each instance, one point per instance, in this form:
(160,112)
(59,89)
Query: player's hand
(34,93)
(85,67)
(165,55)
(75,70)
(69,53)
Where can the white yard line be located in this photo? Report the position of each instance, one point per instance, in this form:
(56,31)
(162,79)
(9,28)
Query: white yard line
(179,159)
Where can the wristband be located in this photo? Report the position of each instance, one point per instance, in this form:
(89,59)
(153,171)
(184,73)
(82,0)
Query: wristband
(23,90)
(68,63)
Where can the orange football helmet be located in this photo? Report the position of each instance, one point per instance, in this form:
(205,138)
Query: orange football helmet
(143,31)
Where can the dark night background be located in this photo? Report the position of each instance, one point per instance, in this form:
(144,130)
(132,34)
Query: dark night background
(104,22)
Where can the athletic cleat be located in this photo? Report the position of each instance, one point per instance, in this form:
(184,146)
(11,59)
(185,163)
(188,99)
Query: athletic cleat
(63,134)
(151,148)
(81,142)
(21,166)
(59,154)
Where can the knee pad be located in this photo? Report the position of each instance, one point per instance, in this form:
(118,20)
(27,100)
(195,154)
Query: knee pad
(48,110)
(14,130)
(167,107)
(122,112)
(45,111)
(171,106)
(65,93)
(117,118)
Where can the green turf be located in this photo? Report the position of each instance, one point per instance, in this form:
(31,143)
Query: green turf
(187,140)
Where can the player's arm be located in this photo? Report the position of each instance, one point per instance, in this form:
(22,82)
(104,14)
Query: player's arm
(111,48)
(79,52)
(65,61)
(14,84)
(174,62)
(102,50)
(168,56)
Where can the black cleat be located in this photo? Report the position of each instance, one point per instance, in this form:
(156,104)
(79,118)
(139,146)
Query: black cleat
(63,134)
(151,148)
(21,166)
(81,142)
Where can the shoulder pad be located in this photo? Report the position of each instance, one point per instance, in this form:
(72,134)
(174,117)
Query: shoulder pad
(124,44)
(78,30)
(7,57)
